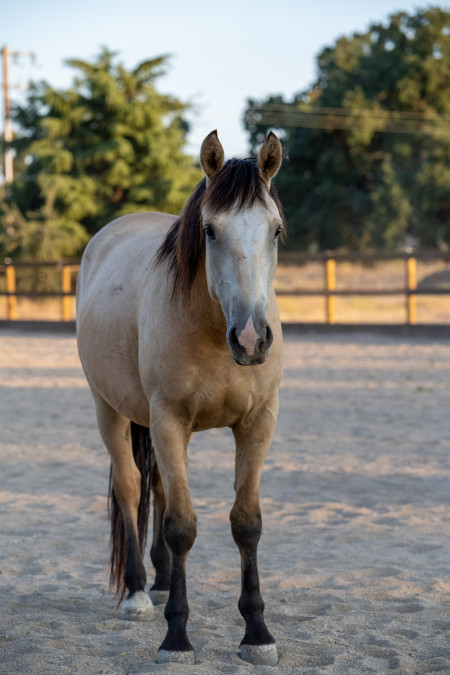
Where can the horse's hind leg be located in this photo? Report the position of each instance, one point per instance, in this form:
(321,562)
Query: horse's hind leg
(159,554)
(127,569)
(252,443)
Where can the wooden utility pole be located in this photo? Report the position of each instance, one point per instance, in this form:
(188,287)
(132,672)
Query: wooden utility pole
(8,132)
(8,168)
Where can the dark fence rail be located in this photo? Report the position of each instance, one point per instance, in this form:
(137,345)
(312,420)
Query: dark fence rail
(409,289)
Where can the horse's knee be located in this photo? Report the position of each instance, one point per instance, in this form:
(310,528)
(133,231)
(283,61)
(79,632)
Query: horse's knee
(246,528)
(180,532)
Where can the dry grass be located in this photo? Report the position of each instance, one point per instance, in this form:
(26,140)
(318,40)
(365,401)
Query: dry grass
(380,275)
(310,276)
(45,309)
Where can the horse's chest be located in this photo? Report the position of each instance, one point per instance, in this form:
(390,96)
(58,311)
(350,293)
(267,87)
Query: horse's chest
(221,404)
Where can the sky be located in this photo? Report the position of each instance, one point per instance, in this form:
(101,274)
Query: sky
(221,54)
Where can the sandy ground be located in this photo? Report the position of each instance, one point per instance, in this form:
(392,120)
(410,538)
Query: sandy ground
(355,553)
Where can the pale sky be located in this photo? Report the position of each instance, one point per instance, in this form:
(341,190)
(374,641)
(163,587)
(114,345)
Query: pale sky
(222,53)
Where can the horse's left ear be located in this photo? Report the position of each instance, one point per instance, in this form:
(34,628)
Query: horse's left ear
(212,155)
(269,158)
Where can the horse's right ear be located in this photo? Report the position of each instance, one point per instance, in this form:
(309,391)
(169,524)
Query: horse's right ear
(212,155)
(269,158)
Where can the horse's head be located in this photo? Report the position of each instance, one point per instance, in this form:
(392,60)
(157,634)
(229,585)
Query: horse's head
(242,222)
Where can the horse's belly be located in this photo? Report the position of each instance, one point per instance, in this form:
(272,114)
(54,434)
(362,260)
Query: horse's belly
(111,369)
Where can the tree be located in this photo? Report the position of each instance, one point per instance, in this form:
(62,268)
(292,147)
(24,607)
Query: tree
(352,185)
(108,146)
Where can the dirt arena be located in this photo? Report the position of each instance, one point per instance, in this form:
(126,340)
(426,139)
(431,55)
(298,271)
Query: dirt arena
(355,553)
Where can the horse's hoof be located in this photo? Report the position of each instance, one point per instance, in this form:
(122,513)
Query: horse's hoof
(137,607)
(165,656)
(159,597)
(260,655)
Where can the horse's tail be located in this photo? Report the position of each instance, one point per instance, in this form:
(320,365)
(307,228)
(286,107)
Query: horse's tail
(142,453)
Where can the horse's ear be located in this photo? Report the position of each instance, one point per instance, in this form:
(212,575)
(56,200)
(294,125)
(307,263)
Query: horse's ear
(270,156)
(212,155)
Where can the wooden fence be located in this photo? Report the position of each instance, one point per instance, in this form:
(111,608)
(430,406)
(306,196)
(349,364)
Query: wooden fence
(67,274)
(409,289)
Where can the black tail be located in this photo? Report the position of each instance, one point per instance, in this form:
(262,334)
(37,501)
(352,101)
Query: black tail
(142,453)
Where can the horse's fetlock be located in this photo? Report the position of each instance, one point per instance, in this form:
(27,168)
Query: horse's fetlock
(135,576)
(251,605)
(177,611)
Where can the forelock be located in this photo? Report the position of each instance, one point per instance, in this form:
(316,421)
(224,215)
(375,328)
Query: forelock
(238,184)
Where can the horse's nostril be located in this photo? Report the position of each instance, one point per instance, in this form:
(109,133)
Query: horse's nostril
(233,339)
(264,343)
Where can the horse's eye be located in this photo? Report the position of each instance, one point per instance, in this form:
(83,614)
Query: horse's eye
(209,231)
(278,231)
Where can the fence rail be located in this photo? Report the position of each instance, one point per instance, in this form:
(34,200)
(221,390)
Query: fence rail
(329,292)
(66,269)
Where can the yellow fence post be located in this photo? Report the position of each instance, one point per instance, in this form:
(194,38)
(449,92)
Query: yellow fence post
(411,285)
(66,289)
(330,285)
(11,289)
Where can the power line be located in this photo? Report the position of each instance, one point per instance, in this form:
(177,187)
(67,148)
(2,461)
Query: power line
(383,121)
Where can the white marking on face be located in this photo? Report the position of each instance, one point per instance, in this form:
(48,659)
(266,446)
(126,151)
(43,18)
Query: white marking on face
(248,337)
(241,256)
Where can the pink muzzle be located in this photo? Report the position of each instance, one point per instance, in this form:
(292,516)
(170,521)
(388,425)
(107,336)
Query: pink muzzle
(249,337)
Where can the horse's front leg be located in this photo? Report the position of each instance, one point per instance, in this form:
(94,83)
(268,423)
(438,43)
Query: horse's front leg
(252,443)
(179,528)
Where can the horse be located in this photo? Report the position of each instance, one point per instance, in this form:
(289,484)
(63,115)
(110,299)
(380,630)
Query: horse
(175,320)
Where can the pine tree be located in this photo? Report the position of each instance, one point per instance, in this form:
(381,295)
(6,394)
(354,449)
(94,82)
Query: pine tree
(109,145)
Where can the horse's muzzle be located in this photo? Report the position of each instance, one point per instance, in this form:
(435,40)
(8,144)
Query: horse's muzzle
(260,349)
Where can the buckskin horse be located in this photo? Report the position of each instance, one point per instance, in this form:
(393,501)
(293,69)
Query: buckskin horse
(169,310)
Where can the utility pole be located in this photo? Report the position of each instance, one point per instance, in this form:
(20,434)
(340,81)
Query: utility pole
(8,132)
(8,170)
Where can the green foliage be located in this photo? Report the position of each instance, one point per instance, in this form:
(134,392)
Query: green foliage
(358,187)
(108,146)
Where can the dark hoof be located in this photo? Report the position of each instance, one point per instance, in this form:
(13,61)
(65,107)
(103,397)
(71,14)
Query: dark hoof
(165,656)
(159,597)
(260,655)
